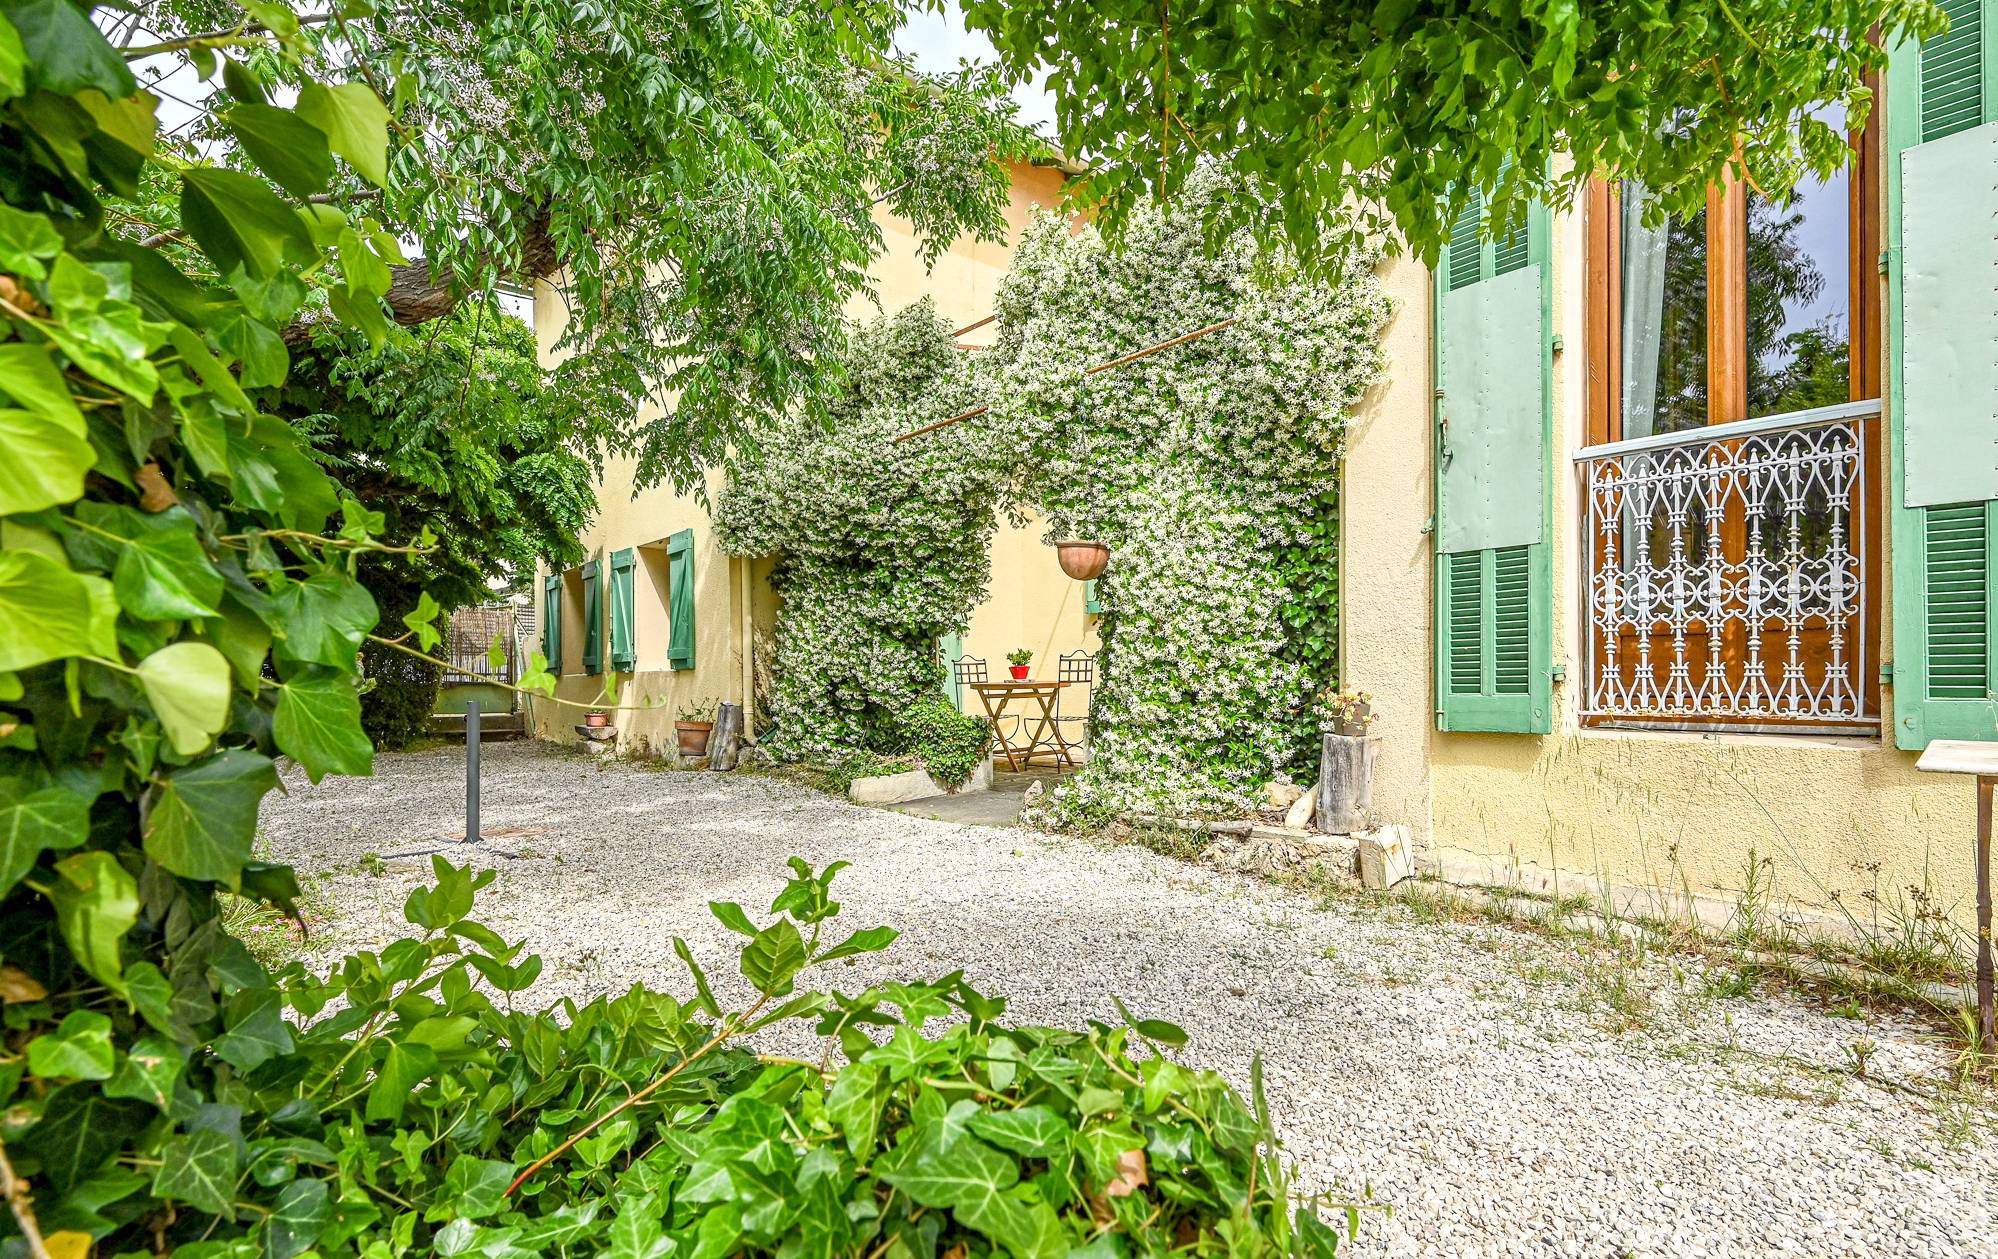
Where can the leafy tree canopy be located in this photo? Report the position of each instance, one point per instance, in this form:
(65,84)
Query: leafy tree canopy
(454,428)
(698,180)
(1403,106)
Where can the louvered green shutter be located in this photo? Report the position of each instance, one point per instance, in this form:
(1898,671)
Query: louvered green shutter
(953,651)
(1091,605)
(1942,195)
(1494,425)
(593,621)
(551,622)
(680,600)
(624,649)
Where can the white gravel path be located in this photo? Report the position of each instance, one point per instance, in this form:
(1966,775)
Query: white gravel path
(1476,1077)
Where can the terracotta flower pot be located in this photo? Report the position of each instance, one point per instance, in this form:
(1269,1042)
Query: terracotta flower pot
(1082,560)
(1019,671)
(693,736)
(596,721)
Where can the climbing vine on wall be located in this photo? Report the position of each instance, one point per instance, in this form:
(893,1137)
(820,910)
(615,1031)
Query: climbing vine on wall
(883,548)
(1210,469)
(1206,468)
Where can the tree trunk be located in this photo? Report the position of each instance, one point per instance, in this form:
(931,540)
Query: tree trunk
(725,740)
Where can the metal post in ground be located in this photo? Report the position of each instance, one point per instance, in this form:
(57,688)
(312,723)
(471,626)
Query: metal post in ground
(1987,1016)
(471,771)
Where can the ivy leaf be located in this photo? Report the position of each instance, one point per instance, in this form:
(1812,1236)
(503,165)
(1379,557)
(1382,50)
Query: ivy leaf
(45,462)
(199,1169)
(203,817)
(284,146)
(26,239)
(65,53)
(774,957)
(477,1186)
(423,621)
(854,1105)
(301,1211)
(161,572)
(239,222)
(354,122)
(47,612)
(1029,1131)
(78,1049)
(149,1070)
(13,69)
(318,724)
(322,620)
(30,821)
(96,903)
(257,1030)
(79,1129)
(403,1068)
(187,683)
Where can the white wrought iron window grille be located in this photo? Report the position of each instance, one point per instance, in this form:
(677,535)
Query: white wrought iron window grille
(1726,573)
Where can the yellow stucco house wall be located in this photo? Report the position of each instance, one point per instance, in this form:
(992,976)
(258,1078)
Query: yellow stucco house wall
(1665,821)
(1031,603)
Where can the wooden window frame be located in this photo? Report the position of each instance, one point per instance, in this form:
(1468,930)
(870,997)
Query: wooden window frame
(1727,293)
(1727,332)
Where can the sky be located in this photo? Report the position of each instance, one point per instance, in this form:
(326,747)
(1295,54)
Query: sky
(937,42)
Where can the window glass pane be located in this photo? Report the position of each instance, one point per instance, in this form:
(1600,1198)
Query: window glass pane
(1664,320)
(1799,295)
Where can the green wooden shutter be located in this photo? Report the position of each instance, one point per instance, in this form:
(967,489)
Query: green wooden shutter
(593,621)
(680,600)
(551,622)
(1091,605)
(953,651)
(1942,199)
(1494,434)
(624,648)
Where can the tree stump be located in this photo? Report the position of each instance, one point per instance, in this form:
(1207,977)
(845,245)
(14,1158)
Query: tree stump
(725,740)
(1345,782)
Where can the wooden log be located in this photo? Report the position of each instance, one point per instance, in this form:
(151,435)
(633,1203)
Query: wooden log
(725,740)
(1345,782)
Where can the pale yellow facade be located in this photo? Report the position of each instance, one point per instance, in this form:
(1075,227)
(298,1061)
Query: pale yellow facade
(1031,603)
(1664,821)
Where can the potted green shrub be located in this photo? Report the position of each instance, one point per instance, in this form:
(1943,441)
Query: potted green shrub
(696,721)
(1019,660)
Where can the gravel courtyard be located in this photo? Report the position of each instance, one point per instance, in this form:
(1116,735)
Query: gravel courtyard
(1501,1093)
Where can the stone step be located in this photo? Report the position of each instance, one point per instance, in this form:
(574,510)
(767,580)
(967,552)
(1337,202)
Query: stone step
(492,726)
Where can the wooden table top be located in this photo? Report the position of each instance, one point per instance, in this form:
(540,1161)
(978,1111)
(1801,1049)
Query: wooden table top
(1020,687)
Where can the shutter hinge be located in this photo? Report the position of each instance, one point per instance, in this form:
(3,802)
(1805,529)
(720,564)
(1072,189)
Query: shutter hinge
(1429,525)
(1557,344)
(1560,673)
(1887,673)
(1885,256)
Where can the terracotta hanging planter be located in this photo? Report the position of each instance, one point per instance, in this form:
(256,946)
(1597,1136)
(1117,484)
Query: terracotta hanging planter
(1082,560)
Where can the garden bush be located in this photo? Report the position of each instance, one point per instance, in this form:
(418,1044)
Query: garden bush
(396,707)
(947,742)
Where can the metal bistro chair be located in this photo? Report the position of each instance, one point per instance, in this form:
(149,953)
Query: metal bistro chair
(966,670)
(1077,668)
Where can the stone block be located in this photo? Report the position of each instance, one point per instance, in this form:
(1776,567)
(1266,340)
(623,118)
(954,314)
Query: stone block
(915,784)
(1302,809)
(1281,795)
(1387,856)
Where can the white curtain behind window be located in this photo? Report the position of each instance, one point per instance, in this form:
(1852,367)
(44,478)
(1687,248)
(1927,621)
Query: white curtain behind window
(1643,312)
